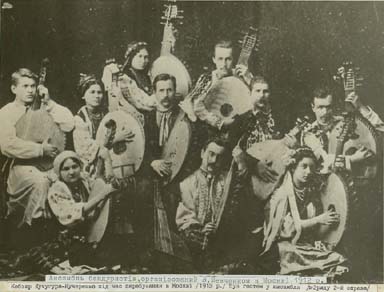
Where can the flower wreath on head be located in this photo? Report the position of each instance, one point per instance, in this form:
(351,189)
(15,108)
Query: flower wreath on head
(291,158)
(133,47)
(84,80)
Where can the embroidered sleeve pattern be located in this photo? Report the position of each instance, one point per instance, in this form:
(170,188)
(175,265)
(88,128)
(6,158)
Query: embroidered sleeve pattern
(85,146)
(66,210)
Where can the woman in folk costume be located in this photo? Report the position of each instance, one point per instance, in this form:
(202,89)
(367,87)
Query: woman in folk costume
(137,57)
(84,206)
(87,122)
(75,199)
(135,84)
(294,214)
(69,196)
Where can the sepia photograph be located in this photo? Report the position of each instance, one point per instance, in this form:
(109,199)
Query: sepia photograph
(192,137)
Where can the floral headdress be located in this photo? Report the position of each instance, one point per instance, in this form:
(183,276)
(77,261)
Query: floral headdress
(132,49)
(293,156)
(85,82)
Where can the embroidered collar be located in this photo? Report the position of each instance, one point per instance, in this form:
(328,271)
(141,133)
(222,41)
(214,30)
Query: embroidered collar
(259,113)
(206,174)
(95,115)
(316,126)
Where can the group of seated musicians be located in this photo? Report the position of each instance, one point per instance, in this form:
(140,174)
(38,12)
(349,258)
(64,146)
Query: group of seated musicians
(279,231)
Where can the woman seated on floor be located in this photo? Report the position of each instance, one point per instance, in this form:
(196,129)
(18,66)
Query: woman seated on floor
(293,216)
(78,202)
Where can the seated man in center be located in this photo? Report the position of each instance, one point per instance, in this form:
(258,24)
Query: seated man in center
(201,195)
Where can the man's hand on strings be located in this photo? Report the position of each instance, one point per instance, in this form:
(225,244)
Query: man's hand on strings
(162,167)
(241,71)
(43,92)
(361,154)
(49,150)
(355,100)
(265,172)
(209,228)
(125,135)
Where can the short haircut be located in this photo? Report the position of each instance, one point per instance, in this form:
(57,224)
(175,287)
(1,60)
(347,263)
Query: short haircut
(258,79)
(222,44)
(321,92)
(164,77)
(22,72)
(217,140)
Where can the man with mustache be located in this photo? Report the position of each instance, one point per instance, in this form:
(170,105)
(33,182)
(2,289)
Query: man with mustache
(223,59)
(27,185)
(201,194)
(254,126)
(364,216)
(162,120)
(322,106)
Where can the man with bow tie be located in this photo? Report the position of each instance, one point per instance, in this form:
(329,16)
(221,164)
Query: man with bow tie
(161,120)
(28,186)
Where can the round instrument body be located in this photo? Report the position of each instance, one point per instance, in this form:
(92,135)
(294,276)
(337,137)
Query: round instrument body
(271,152)
(171,65)
(335,196)
(177,146)
(38,126)
(126,157)
(366,136)
(228,97)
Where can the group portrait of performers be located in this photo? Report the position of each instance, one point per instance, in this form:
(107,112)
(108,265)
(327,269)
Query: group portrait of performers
(206,218)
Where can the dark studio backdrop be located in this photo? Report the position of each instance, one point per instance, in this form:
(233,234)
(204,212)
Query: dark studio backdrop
(301,43)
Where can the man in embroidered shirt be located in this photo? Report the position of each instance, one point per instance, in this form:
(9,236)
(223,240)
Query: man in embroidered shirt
(256,125)
(201,194)
(28,186)
(322,106)
(223,59)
